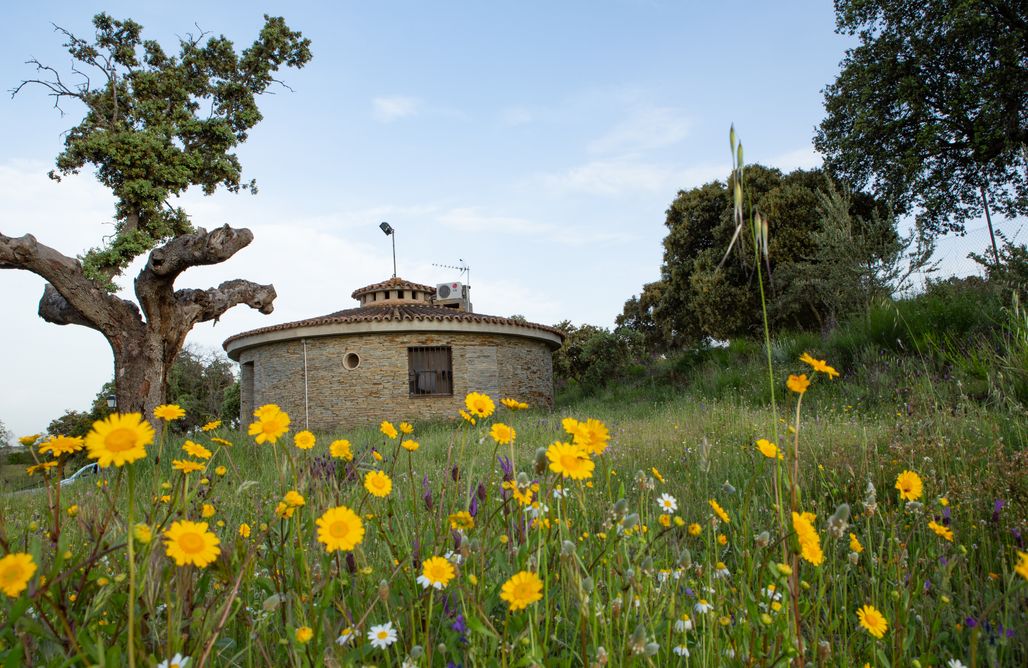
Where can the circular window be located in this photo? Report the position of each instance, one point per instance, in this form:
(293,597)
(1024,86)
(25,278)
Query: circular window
(351,361)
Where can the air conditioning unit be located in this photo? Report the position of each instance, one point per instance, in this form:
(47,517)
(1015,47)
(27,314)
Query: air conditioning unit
(445,292)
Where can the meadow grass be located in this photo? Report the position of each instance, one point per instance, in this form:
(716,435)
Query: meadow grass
(618,586)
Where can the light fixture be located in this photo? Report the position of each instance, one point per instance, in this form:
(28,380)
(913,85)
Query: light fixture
(112,401)
(390,232)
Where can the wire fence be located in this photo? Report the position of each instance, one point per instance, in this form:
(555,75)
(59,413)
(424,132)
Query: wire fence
(952,253)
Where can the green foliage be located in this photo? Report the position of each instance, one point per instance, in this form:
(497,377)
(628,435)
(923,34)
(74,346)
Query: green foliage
(199,383)
(78,423)
(930,107)
(704,294)
(961,340)
(157,124)
(1011,272)
(202,383)
(595,356)
(231,404)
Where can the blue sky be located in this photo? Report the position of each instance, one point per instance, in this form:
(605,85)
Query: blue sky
(540,142)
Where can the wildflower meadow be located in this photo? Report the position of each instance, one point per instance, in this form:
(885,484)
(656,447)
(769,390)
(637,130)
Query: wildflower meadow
(665,535)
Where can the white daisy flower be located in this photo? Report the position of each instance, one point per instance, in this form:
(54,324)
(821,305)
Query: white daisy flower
(382,636)
(681,650)
(702,607)
(683,624)
(177,661)
(955,663)
(537,509)
(667,503)
(720,570)
(345,636)
(453,557)
(559,492)
(772,593)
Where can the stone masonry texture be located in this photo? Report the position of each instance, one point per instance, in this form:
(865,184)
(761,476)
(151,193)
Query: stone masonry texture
(378,389)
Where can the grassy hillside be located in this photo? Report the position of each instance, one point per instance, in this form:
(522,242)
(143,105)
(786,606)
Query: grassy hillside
(623,580)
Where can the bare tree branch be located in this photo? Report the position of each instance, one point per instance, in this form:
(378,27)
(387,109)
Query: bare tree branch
(210,304)
(194,250)
(54,308)
(70,297)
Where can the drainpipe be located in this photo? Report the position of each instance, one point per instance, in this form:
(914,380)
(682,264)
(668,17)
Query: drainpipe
(306,411)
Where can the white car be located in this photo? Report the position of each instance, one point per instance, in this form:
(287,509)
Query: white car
(84,472)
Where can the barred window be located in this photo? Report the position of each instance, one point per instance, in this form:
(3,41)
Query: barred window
(430,370)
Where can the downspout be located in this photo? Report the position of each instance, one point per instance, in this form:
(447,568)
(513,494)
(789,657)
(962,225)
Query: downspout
(306,410)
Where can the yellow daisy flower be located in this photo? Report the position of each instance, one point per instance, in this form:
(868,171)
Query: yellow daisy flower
(190,543)
(119,439)
(521,590)
(340,529)
(378,483)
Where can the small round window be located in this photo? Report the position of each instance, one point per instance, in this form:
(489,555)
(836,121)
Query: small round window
(351,361)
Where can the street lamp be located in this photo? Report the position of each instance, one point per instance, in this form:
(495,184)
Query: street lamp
(112,401)
(390,232)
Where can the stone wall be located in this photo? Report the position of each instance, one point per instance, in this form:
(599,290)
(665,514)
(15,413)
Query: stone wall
(378,388)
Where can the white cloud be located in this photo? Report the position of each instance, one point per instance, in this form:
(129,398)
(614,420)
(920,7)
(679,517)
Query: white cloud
(644,130)
(514,116)
(621,176)
(389,109)
(472,220)
(801,158)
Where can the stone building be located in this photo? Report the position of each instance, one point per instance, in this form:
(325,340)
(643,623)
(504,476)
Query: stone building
(402,354)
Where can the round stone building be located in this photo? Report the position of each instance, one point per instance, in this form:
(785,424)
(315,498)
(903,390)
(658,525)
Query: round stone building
(406,353)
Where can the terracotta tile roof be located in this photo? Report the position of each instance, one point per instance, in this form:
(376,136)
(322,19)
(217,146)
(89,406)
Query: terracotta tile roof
(393,283)
(398,312)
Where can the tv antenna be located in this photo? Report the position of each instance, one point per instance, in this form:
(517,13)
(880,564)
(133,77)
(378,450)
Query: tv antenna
(463,268)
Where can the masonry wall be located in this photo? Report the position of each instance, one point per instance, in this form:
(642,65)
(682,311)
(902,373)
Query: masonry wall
(378,389)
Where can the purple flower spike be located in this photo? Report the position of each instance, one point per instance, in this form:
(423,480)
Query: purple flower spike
(971,622)
(945,516)
(996,508)
(507,467)
(426,493)
(481,492)
(473,508)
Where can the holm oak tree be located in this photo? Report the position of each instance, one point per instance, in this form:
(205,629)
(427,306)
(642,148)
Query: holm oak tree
(155,124)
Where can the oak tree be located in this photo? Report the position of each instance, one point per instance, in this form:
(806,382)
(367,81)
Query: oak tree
(155,125)
(930,109)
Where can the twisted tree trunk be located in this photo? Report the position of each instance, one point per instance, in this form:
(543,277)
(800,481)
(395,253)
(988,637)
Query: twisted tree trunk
(144,338)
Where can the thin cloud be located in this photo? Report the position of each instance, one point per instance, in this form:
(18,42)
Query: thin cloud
(626,176)
(644,130)
(389,109)
(472,220)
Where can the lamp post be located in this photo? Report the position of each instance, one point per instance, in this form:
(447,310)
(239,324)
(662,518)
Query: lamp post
(390,232)
(112,401)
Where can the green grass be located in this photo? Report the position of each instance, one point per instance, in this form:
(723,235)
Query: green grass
(617,595)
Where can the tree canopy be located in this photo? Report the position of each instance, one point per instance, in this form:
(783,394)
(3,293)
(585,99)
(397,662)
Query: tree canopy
(155,125)
(930,110)
(699,296)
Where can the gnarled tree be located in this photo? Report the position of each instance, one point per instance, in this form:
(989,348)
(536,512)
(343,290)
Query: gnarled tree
(155,125)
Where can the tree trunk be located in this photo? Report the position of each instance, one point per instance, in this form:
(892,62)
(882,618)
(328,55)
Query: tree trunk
(144,349)
(140,372)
